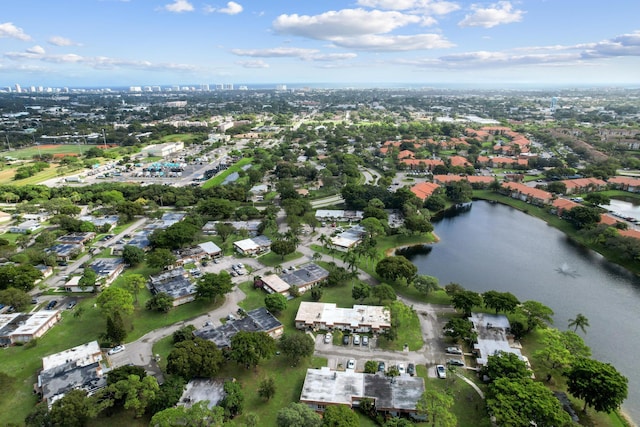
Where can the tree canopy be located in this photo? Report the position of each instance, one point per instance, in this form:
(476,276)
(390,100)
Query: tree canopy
(297,346)
(248,348)
(396,267)
(194,358)
(599,384)
(298,415)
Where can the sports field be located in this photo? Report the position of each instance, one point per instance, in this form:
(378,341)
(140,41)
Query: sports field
(29,152)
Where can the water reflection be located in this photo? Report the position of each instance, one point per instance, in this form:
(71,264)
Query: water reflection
(497,247)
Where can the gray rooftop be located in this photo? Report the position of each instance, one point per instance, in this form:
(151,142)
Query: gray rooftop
(308,273)
(57,381)
(258,320)
(106,266)
(199,390)
(397,393)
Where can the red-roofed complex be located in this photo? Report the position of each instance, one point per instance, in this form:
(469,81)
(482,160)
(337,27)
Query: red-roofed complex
(625,183)
(421,164)
(459,161)
(424,189)
(528,194)
(584,185)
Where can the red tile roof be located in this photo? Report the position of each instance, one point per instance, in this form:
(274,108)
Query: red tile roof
(424,189)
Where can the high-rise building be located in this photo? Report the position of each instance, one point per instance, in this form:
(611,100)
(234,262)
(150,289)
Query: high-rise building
(18,88)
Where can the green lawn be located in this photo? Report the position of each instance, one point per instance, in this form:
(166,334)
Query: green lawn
(272,259)
(217,180)
(29,152)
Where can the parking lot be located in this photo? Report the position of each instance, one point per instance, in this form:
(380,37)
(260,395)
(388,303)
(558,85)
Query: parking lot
(433,353)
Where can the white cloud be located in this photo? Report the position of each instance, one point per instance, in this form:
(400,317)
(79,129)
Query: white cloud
(253,64)
(624,45)
(9,30)
(179,6)
(398,43)
(97,62)
(425,6)
(496,14)
(38,50)
(61,41)
(293,52)
(232,8)
(275,52)
(343,23)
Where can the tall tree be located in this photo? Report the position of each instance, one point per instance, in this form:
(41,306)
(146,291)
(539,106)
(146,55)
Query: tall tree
(283,248)
(599,384)
(465,301)
(436,405)
(75,409)
(160,258)
(537,314)
(500,301)
(134,283)
(275,303)
(360,291)
(16,298)
(115,300)
(580,321)
(248,348)
(298,415)
(233,400)
(267,388)
(88,279)
(132,255)
(197,415)
(116,332)
(340,416)
(137,392)
(523,402)
(195,358)
(505,365)
(297,346)
(425,284)
(383,292)
(396,267)
(211,286)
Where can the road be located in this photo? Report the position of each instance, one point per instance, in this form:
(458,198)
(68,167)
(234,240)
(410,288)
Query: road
(140,352)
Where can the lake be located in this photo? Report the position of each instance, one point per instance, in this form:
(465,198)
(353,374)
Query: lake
(496,247)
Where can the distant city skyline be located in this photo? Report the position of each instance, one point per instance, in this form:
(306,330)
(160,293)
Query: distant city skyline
(360,43)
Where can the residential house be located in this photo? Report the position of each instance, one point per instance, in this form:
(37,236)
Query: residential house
(258,320)
(327,316)
(561,205)
(253,246)
(527,194)
(65,251)
(76,368)
(303,278)
(101,221)
(107,270)
(176,284)
(334,215)
(348,238)
(24,327)
(424,190)
(493,331)
(251,227)
(625,183)
(584,185)
(392,396)
(421,164)
(25,227)
(77,238)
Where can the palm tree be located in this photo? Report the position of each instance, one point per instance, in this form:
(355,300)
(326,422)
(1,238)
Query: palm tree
(317,256)
(580,321)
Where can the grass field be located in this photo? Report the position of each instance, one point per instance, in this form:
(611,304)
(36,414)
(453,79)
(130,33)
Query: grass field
(217,180)
(28,152)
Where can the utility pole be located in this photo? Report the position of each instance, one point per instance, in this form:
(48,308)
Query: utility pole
(104,139)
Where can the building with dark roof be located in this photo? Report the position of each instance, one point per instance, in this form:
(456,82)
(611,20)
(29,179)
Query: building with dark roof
(77,238)
(303,278)
(174,283)
(258,320)
(77,368)
(108,269)
(65,251)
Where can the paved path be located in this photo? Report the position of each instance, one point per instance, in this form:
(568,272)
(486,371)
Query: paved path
(471,383)
(140,352)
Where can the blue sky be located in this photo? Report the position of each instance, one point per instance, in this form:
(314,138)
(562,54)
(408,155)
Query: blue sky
(366,42)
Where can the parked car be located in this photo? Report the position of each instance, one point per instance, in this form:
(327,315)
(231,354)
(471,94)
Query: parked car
(365,340)
(52,304)
(356,340)
(454,350)
(411,369)
(328,338)
(351,364)
(345,340)
(71,304)
(116,349)
(455,362)
(441,371)
(401,369)
(381,367)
